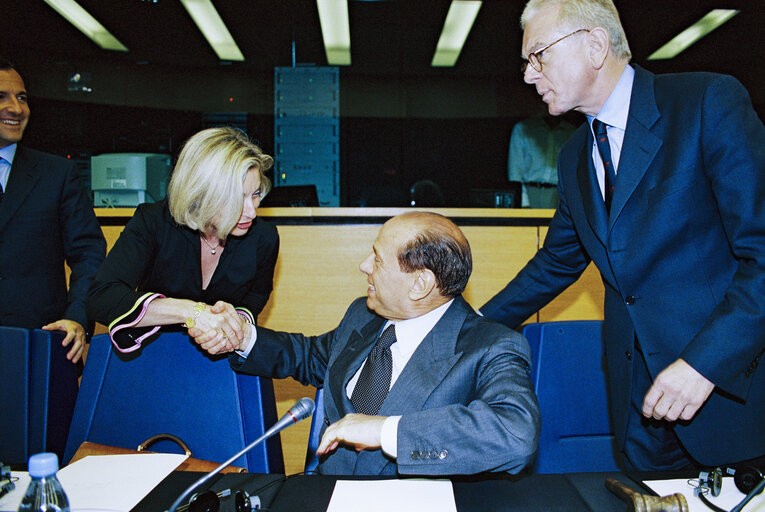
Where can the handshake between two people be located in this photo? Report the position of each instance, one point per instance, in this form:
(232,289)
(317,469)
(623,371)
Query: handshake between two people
(220,328)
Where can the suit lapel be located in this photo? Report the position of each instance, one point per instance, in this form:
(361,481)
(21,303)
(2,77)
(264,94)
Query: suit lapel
(349,360)
(592,199)
(428,365)
(640,145)
(22,179)
(425,371)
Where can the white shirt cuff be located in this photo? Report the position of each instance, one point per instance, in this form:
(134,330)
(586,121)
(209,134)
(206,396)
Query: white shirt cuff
(389,436)
(253,338)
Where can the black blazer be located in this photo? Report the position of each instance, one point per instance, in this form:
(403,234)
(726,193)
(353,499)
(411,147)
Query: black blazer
(45,220)
(154,254)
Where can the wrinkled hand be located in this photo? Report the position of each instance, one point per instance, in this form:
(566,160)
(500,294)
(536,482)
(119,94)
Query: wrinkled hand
(222,320)
(75,334)
(215,342)
(678,392)
(360,431)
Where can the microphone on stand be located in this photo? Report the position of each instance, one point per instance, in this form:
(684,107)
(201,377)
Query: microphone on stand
(302,409)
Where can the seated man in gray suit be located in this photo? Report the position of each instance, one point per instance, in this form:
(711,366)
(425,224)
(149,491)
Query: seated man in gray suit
(415,382)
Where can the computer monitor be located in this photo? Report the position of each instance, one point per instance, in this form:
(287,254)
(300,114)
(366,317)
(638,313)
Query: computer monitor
(297,195)
(129,179)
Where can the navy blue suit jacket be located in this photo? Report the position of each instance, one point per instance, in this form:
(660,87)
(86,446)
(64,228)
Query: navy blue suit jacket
(46,219)
(465,397)
(682,254)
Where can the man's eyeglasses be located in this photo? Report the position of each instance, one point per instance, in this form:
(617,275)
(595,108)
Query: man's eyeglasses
(535,56)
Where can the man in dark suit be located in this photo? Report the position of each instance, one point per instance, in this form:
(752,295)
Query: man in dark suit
(451,392)
(45,220)
(669,203)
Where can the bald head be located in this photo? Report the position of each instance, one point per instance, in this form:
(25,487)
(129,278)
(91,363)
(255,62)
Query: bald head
(435,243)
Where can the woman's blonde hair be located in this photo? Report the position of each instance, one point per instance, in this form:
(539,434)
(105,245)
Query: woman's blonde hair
(206,187)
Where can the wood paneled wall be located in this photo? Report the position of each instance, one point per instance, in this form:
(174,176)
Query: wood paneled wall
(317,275)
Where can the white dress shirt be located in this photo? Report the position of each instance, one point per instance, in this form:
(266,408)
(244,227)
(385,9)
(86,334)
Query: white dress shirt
(614,113)
(409,335)
(6,160)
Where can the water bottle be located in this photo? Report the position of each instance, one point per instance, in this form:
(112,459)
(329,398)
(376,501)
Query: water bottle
(44,493)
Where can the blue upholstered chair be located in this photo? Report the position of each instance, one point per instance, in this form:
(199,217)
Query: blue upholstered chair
(311,459)
(569,378)
(171,386)
(39,387)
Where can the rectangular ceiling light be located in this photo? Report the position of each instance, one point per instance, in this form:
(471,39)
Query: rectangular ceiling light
(459,21)
(690,35)
(86,24)
(336,31)
(208,22)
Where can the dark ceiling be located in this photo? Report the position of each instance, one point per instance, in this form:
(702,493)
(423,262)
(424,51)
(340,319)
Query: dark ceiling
(394,38)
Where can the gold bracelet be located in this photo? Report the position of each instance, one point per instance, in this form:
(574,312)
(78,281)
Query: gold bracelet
(198,308)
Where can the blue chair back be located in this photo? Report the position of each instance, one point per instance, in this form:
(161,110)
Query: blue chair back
(570,381)
(311,459)
(171,386)
(39,389)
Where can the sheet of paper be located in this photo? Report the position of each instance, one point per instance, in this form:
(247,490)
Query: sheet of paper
(115,482)
(386,495)
(111,483)
(11,501)
(729,496)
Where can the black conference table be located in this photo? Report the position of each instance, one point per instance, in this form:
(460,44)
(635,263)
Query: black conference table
(312,493)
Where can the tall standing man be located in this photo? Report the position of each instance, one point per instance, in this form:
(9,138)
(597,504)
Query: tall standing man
(663,188)
(45,220)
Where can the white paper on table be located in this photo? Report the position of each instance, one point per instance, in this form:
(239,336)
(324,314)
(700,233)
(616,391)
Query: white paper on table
(11,501)
(386,495)
(115,482)
(729,496)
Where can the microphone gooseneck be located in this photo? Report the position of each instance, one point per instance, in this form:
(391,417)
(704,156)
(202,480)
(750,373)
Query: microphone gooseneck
(302,409)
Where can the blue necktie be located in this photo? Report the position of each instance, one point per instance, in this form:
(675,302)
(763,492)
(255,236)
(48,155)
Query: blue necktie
(374,380)
(601,140)
(2,191)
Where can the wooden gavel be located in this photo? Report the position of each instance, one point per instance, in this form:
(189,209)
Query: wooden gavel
(647,503)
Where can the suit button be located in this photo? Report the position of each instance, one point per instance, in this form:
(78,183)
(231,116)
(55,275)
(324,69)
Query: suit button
(415,455)
(443,454)
(630,300)
(433,454)
(628,355)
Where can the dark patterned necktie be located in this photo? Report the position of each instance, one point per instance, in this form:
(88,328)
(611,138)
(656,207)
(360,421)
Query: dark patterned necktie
(374,380)
(601,140)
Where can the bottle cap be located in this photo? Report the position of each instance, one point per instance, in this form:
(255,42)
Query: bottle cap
(43,464)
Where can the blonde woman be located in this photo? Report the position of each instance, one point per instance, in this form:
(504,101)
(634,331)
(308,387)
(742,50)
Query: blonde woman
(199,258)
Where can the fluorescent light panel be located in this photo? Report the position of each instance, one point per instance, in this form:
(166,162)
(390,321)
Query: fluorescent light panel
(687,37)
(86,24)
(336,31)
(208,22)
(459,21)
